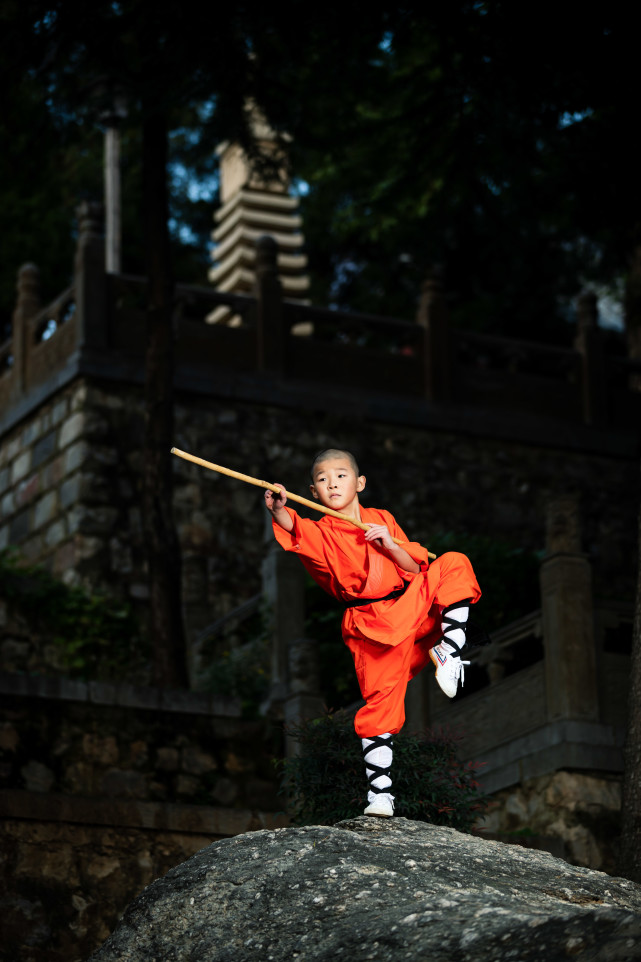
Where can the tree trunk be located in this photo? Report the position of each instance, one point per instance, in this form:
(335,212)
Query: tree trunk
(163,550)
(629,862)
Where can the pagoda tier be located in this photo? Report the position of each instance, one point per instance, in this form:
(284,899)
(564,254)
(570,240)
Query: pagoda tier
(252,208)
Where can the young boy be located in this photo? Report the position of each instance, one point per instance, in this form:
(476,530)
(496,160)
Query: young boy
(401,611)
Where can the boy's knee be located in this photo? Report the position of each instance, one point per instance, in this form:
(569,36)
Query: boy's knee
(455,559)
(456,579)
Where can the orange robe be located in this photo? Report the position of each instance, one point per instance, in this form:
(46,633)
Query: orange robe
(389,640)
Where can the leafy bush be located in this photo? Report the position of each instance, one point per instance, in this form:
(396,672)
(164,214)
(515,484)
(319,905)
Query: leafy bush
(323,623)
(507,574)
(243,672)
(96,636)
(327,782)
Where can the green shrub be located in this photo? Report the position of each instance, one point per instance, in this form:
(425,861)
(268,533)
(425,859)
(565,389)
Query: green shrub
(508,575)
(96,636)
(243,672)
(338,681)
(327,782)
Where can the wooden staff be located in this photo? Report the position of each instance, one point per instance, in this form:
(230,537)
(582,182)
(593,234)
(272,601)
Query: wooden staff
(272,487)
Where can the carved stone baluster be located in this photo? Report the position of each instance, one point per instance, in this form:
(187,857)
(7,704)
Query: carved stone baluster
(432,315)
(90,279)
(568,620)
(27,306)
(589,344)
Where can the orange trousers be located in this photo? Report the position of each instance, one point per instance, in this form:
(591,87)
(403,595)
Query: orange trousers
(383,671)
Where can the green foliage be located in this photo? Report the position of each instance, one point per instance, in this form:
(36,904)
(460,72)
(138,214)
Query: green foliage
(327,782)
(44,175)
(508,575)
(457,145)
(237,659)
(243,672)
(338,682)
(96,636)
(462,148)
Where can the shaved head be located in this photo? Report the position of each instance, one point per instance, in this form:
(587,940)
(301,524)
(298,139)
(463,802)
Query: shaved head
(331,454)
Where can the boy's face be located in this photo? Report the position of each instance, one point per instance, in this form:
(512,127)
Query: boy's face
(336,484)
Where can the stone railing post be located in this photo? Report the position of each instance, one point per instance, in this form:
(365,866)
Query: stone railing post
(270,334)
(417,701)
(432,315)
(284,591)
(568,620)
(589,344)
(304,701)
(27,306)
(90,280)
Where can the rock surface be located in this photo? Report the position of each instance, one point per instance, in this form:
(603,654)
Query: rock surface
(379,889)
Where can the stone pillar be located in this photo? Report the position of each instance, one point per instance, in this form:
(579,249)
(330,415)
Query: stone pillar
(432,315)
(568,621)
(284,589)
(417,701)
(112,118)
(196,610)
(304,701)
(589,344)
(270,334)
(112,199)
(90,279)
(27,306)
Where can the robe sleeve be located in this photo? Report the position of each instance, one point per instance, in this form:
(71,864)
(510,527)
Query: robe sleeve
(305,538)
(415,550)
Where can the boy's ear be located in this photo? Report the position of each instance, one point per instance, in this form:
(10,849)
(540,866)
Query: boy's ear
(314,491)
(360,483)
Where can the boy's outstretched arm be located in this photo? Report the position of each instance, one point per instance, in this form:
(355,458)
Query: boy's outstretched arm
(275,503)
(380,533)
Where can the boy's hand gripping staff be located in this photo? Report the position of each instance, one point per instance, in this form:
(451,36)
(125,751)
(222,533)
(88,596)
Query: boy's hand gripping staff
(272,487)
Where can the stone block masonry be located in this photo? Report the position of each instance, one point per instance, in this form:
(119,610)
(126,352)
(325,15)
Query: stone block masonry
(70,478)
(69,883)
(71,866)
(103,788)
(99,740)
(30,479)
(581,812)
(67,490)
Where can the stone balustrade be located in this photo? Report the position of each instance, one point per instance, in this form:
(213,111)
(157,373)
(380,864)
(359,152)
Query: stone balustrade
(98,327)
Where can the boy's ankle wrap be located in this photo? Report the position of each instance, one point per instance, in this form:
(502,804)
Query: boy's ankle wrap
(449,624)
(374,771)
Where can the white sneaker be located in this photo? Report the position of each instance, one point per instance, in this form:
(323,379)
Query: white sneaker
(449,667)
(383,805)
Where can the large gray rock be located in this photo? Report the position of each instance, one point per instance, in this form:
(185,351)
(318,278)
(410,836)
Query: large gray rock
(384,889)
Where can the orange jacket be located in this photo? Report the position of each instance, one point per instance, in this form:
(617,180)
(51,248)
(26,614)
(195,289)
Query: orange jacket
(340,560)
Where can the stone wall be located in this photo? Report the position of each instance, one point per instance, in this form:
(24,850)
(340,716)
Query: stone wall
(97,740)
(104,788)
(571,814)
(56,473)
(70,471)
(70,871)
(69,494)
(67,884)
